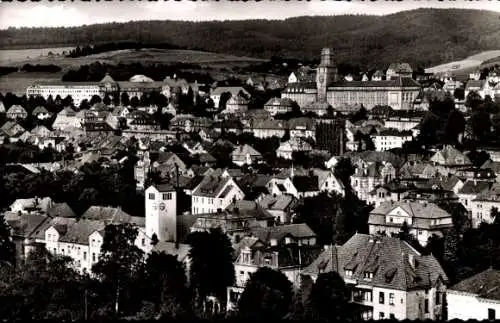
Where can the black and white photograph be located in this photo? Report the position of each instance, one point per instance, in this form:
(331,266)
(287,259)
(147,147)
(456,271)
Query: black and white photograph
(264,160)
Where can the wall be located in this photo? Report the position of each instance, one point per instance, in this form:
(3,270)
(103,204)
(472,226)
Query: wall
(464,306)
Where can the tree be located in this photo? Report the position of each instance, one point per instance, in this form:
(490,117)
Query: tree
(125,100)
(106,100)
(84,105)
(473,100)
(344,169)
(451,240)
(95,99)
(455,125)
(120,263)
(341,232)
(7,247)
(268,294)
(212,269)
(329,299)
(481,124)
(165,284)
(134,102)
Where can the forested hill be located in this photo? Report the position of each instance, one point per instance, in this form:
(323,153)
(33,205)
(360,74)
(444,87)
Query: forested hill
(422,37)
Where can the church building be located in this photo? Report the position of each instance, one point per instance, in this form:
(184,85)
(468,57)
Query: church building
(398,92)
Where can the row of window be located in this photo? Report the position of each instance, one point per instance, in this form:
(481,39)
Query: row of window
(165,196)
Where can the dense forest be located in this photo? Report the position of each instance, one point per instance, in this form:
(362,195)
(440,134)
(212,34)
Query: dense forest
(422,37)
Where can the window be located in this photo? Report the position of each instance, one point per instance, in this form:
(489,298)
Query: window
(93,256)
(491,314)
(143,242)
(242,272)
(151,196)
(391,316)
(381,298)
(55,251)
(367,296)
(368,275)
(84,255)
(426,306)
(348,273)
(438,298)
(167,196)
(381,315)
(391,299)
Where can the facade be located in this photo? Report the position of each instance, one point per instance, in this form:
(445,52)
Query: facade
(388,279)
(161,212)
(278,106)
(265,128)
(424,219)
(388,139)
(215,192)
(287,148)
(245,155)
(475,298)
(16,112)
(399,92)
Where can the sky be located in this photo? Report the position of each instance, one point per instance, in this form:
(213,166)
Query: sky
(54,14)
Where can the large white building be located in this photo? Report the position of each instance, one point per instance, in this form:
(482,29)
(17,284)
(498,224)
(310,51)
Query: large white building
(77,90)
(161,212)
(390,138)
(388,278)
(475,298)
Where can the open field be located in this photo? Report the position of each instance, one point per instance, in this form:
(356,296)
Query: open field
(467,65)
(14,56)
(145,56)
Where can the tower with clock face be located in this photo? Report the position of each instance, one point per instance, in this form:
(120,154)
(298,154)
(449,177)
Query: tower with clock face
(325,74)
(161,212)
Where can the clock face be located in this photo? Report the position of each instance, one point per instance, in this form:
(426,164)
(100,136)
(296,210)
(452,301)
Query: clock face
(155,206)
(321,78)
(162,206)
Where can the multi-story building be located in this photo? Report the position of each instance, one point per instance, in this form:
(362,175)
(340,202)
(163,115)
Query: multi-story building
(287,148)
(482,205)
(278,106)
(245,155)
(387,278)
(268,128)
(215,192)
(424,219)
(369,175)
(399,92)
(388,139)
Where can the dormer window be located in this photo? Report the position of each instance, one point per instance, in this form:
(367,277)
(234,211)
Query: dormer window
(267,261)
(368,275)
(348,273)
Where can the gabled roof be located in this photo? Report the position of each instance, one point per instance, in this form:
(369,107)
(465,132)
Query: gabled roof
(279,232)
(107,79)
(484,285)
(39,110)
(475,187)
(414,209)
(393,263)
(279,202)
(16,109)
(111,215)
(306,183)
(234,90)
(80,231)
(245,150)
(61,210)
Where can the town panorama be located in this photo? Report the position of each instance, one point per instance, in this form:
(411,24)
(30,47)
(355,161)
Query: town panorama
(228,170)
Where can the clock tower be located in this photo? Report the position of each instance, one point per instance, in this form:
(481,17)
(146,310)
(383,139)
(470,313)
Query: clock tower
(161,212)
(326,73)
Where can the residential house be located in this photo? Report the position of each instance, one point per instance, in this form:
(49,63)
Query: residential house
(216,191)
(302,127)
(30,205)
(12,130)
(245,155)
(450,157)
(164,162)
(281,207)
(278,106)
(121,112)
(388,139)
(237,220)
(216,94)
(266,128)
(475,298)
(41,131)
(424,219)
(41,113)
(16,112)
(369,175)
(328,182)
(287,148)
(236,104)
(470,190)
(398,70)
(483,203)
(144,122)
(388,278)
(67,118)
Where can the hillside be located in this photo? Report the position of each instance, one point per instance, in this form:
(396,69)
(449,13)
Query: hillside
(469,64)
(423,37)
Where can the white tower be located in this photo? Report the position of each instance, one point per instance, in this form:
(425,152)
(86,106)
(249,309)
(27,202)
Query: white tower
(161,212)
(326,73)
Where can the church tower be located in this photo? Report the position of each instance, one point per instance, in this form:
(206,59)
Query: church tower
(326,74)
(161,212)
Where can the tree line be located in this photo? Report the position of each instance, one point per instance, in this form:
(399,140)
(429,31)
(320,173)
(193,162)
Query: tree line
(425,37)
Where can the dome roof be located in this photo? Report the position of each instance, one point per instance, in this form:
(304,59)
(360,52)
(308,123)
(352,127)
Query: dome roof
(140,79)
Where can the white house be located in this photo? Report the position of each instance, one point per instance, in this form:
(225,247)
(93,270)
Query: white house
(245,155)
(215,192)
(286,149)
(424,219)
(391,138)
(475,298)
